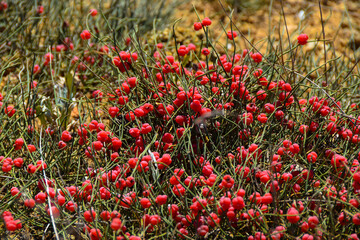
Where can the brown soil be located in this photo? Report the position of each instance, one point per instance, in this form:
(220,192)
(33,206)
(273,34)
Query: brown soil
(341,21)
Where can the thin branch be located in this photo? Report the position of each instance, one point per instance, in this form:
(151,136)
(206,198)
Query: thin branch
(47,189)
(323,32)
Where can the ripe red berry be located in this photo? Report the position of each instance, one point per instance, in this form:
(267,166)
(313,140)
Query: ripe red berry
(10,226)
(227,181)
(302,39)
(54,211)
(293,215)
(205,51)
(10,111)
(41,165)
(145,203)
(62,145)
(353,236)
(304,227)
(30,168)
(261,95)
(30,203)
(256,57)
(134,132)
(183,50)
(191,47)
(307,237)
(66,136)
(248,118)
(105,215)
(356,177)
(356,219)
(132,81)
(115,224)
(313,221)
(161,199)
(197,26)
(18,143)
(139,112)
(95,234)
(146,128)
(294,148)
(15,191)
(40,197)
(203,230)
(231,35)
(113,111)
(3,6)
(269,108)
(97,145)
(311,157)
(89,215)
(196,106)
(71,206)
(267,199)
(206,22)
(40,9)
(115,214)
(238,203)
(304,129)
(85,35)
(155,219)
(168,138)
(93,12)
(116,143)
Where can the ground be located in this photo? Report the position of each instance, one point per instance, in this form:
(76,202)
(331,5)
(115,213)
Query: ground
(341,20)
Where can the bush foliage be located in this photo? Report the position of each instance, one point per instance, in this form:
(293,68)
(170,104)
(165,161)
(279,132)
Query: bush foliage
(107,136)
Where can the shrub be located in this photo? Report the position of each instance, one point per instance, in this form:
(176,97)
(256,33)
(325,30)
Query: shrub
(102,139)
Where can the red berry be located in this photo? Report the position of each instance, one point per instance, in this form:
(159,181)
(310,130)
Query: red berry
(105,215)
(205,51)
(356,177)
(89,215)
(293,215)
(18,162)
(304,227)
(113,111)
(134,132)
(93,12)
(145,203)
(97,145)
(18,143)
(95,234)
(197,26)
(66,136)
(54,211)
(115,224)
(30,203)
(161,199)
(231,35)
(311,157)
(206,22)
(356,219)
(302,39)
(10,111)
(40,197)
(85,35)
(257,57)
(313,221)
(15,191)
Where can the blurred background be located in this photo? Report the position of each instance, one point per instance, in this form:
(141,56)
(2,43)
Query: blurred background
(258,19)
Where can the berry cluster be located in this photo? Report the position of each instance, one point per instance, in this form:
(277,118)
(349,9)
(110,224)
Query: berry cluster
(184,142)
